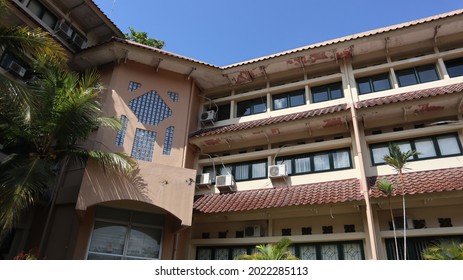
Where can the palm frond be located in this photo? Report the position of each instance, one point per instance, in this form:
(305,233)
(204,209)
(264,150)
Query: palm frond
(385,186)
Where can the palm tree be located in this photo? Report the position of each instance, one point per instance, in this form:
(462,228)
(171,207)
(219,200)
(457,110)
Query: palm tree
(398,160)
(386,187)
(41,141)
(444,250)
(276,251)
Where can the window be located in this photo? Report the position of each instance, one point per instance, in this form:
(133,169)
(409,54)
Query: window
(121,133)
(327,92)
(223,112)
(133,86)
(428,147)
(122,234)
(316,162)
(42,13)
(417,75)
(373,83)
(143,144)
(168,140)
(454,67)
(251,107)
(242,171)
(150,108)
(347,250)
(289,99)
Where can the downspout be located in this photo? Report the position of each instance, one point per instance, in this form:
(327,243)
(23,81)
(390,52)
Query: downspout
(363,178)
(188,122)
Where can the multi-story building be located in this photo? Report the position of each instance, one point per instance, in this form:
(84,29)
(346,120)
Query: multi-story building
(285,145)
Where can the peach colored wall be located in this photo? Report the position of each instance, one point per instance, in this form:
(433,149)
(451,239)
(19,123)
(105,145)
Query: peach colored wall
(165,183)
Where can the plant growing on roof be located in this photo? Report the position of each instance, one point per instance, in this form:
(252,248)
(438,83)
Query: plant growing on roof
(398,160)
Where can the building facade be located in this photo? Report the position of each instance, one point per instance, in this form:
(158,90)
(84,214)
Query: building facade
(288,145)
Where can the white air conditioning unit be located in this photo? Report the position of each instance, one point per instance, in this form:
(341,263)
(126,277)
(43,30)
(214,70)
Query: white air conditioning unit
(16,68)
(253,231)
(79,41)
(208,116)
(64,29)
(225,183)
(203,179)
(275,171)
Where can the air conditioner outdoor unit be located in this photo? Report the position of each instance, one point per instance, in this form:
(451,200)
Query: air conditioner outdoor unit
(275,171)
(225,183)
(203,179)
(63,29)
(79,41)
(208,116)
(253,230)
(16,68)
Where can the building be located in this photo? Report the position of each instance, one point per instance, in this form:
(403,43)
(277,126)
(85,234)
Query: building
(285,145)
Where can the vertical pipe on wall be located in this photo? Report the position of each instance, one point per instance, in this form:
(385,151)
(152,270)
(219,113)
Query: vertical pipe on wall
(361,167)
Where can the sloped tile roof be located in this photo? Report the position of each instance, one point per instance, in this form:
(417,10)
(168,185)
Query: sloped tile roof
(270,121)
(308,194)
(412,95)
(441,180)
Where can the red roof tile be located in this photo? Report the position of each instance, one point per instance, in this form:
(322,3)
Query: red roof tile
(441,180)
(410,95)
(270,121)
(308,194)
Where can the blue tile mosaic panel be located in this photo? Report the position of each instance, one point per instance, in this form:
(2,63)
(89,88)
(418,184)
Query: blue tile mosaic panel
(143,144)
(150,108)
(168,140)
(121,133)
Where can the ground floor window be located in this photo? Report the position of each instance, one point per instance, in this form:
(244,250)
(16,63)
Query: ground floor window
(416,245)
(122,234)
(347,250)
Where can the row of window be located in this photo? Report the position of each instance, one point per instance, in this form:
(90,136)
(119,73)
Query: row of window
(429,147)
(365,85)
(350,250)
(295,165)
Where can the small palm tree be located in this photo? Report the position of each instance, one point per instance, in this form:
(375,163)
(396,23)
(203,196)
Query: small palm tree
(276,251)
(445,250)
(386,187)
(398,160)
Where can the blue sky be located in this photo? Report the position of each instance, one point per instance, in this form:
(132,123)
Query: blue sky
(226,32)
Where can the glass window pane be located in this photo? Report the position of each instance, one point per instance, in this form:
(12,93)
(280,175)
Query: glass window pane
(238,252)
(92,256)
(329,252)
(241,172)
(280,103)
(297,99)
(223,170)
(352,251)
(320,95)
(243,109)
(425,147)
(427,74)
(259,170)
(108,238)
(454,68)
(321,162)
(448,145)
(379,153)
(336,92)
(364,86)
(341,159)
(221,254)
(259,108)
(406,77)
(308,252)
(204,254)
(381,83)
(144,242)
(404,147)
(302,164)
